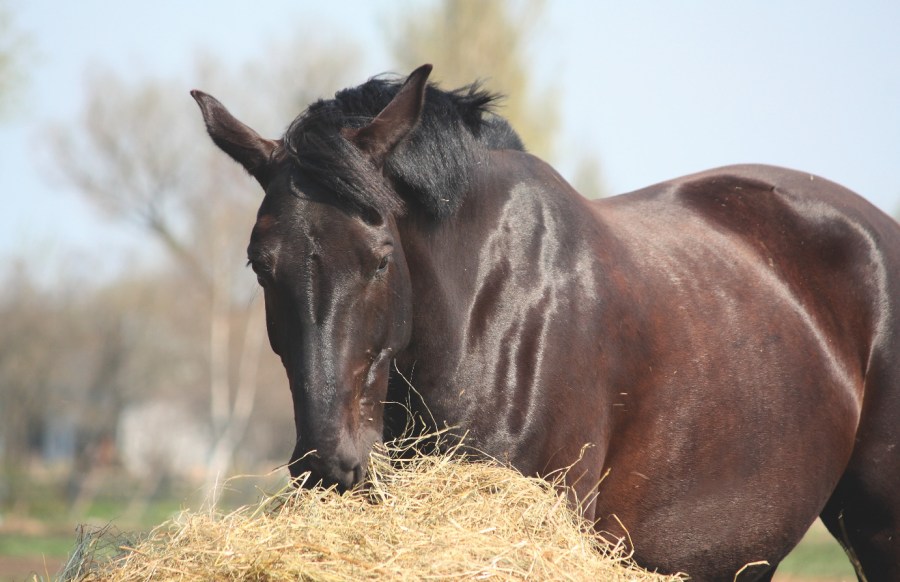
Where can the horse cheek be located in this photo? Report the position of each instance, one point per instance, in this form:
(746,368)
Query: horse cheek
(400,306)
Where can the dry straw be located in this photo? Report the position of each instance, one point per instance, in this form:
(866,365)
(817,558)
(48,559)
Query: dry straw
(432,517)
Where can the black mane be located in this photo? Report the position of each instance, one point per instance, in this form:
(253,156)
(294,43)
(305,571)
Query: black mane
(432,168)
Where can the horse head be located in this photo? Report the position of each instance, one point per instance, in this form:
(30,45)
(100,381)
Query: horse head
(332,269)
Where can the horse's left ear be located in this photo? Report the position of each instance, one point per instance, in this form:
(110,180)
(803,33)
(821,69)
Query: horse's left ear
(395,121)
(236,139)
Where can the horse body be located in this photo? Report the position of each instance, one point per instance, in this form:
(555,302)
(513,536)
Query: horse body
(713,358)
(689,348)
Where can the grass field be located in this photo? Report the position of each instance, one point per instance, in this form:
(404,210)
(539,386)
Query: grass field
(30,546)
(37,532)
(818,557)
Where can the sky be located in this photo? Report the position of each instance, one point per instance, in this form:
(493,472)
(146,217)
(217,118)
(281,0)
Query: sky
(649,89)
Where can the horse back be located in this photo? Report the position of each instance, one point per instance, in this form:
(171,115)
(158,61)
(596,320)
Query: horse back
(832,251)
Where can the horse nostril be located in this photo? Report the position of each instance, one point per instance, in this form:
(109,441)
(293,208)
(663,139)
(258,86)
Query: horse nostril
(350,475)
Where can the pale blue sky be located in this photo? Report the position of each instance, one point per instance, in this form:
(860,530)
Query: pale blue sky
(652,90)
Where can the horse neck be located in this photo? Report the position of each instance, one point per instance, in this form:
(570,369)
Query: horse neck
(517,223)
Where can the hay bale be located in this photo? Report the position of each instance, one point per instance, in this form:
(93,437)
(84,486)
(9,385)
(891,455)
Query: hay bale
(431,517)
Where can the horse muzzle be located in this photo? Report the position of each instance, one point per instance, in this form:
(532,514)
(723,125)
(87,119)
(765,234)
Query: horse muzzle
(342,471)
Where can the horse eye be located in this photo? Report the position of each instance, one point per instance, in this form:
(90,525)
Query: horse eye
(383,265)
(261,273)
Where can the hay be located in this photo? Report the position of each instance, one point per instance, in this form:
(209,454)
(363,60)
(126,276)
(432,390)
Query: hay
(429,518)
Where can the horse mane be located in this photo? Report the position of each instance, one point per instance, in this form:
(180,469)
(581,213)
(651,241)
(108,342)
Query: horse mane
(432,168)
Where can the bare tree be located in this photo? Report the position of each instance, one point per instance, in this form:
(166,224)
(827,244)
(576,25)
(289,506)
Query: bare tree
(28,338)
(63,366)
(13,49)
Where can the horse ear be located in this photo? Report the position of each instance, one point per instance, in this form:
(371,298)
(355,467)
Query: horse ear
(395,121)
(244,145)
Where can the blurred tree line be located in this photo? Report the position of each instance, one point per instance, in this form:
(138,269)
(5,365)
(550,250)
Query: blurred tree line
(13,49)
(142,370)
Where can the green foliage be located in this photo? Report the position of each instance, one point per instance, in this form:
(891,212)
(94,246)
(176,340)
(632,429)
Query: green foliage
(468,40)
(56,545)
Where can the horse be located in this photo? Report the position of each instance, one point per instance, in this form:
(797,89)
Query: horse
(714,359)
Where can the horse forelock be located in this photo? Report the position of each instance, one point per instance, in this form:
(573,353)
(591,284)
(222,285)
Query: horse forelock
(432,168)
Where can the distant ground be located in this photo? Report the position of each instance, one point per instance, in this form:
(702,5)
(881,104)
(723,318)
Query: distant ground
(19,568)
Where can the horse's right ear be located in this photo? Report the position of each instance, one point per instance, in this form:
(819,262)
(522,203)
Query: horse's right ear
(395,121)
(244,145)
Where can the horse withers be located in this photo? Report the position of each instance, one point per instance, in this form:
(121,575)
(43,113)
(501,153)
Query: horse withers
(715,356)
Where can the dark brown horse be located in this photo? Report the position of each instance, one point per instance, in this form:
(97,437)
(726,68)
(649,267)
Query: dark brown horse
(727,343)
